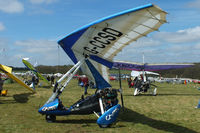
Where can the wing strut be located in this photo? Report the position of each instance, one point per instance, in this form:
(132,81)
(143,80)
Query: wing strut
(120,85)
(58,88)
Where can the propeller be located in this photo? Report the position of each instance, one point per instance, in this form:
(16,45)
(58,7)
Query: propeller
(120,85)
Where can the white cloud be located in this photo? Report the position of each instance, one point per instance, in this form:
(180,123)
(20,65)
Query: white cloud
(194,4)
(181,36)
(39,10)
(44,51)
(197,46)
(42,1)
(38,7)
(180,46)
(2,27)
(145,42)
(3,43)
(133,52)
(5,51)
(11,6)
(37,46)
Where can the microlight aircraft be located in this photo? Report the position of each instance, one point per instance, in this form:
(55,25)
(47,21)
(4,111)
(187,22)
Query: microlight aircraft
(32,69)
(92,49)
(8,71)
(141,83)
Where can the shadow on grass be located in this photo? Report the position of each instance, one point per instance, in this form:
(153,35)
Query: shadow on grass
(81,121)
(47,87)
(135,117)
(22,98)
(163,95)
(7,101)
(179,94)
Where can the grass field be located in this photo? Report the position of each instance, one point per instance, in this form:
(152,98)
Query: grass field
(172,110)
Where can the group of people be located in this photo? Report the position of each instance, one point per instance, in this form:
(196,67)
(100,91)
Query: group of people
(133,81)
(51,78)
(35,81)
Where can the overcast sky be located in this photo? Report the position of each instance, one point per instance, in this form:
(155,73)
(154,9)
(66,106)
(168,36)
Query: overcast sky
(31,28)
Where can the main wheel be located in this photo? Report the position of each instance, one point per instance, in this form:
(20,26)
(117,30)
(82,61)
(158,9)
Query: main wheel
(104,126)
(50,118)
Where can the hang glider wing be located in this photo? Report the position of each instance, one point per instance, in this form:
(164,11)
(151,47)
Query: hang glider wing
(31,68)
(8,71)
(138,73)
(148,67)
(103,39)
(152,73)
(135,73)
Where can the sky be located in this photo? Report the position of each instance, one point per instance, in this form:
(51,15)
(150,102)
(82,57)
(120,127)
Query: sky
(31,28)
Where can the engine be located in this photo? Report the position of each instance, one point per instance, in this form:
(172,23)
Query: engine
(109,97)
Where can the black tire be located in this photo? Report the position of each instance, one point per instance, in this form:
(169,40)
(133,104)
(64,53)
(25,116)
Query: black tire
(104,126)
(50,118)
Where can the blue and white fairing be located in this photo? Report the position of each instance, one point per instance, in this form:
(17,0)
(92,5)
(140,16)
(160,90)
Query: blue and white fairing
(109,116)
(104,38)
(54,108)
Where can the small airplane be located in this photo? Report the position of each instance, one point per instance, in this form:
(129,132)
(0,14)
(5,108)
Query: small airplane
(8,71)
(32,69)
(141,83)
(92,49)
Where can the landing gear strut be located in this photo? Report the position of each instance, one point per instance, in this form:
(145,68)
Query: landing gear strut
(50,118)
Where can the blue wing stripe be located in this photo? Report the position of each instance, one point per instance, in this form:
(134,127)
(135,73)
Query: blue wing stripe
(101,61)
(69,41)
(101,83)
(148,67)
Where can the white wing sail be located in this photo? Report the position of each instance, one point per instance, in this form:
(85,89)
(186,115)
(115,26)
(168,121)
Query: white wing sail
(103,39)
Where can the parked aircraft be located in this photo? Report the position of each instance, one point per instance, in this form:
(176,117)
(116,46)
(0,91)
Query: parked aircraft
(8,71)
(142,83)
(92,49)
(32,69)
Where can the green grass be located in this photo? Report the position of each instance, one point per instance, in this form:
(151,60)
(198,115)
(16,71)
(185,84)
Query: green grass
(172,110)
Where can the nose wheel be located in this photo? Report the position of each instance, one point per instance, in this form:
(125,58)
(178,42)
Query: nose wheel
(50,118)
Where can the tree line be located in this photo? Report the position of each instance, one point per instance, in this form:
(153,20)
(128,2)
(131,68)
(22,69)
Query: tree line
(190,72)
(47,69)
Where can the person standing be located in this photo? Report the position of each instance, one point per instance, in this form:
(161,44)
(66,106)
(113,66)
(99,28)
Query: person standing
(52,79)
(85,83)
(33,82)
(129,82)
(1,83)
